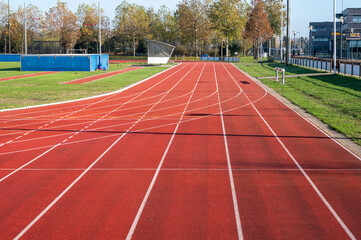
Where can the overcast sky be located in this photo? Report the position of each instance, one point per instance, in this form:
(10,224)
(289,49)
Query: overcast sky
(303,11)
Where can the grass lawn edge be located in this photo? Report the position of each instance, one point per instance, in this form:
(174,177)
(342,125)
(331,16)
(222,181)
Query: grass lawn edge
(91,97)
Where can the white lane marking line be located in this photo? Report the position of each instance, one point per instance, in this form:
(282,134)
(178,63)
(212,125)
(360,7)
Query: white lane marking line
(101,100)
(318,128)
(230,173)
(328,205)
(189,169)
(152,183)
(144,129)
(91,165)
(65,140)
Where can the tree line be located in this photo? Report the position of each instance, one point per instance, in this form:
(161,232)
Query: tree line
(214,27)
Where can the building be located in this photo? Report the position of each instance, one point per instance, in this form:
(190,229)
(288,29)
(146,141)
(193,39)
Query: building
(321,36)
(351,33)
(348,30)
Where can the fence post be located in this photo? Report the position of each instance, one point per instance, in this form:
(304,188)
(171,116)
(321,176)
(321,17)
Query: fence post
(283,77)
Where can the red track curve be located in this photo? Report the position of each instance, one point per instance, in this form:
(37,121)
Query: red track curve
(25,76)
(193,153)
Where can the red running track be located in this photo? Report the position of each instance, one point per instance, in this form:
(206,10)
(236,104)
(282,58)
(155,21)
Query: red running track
(101,76)
(197,152)
(25,76)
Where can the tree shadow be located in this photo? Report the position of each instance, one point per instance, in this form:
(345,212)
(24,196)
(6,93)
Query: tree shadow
(10,69)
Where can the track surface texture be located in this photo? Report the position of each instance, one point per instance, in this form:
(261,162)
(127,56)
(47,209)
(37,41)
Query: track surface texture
(199,151)
(100,76)
(25,76)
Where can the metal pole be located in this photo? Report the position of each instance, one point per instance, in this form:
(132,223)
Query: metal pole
(334,36)
(9,25)
(288,33)
(25,37)
(100,31)
(341,39)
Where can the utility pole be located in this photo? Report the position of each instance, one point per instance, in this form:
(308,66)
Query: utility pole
(334,36)
(9,25)
(288,34)
(26,39)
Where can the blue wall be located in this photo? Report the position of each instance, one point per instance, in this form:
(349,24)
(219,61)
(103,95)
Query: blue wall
(62,62)
(10,57)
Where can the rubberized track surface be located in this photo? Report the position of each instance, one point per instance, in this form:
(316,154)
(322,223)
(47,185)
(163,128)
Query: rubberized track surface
(100,76)
(25,76)
(197,152)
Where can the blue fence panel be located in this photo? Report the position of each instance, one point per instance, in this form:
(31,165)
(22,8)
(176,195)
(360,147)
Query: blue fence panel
(10,57)
(55,63)
(64,62)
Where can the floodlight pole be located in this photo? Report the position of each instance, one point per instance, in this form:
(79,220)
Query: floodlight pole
(25,40)
(9,24)
(100,31)
(334,36)
(288,34)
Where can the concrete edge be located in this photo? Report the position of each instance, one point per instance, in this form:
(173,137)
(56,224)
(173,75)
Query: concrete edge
(87,98)
(340,138)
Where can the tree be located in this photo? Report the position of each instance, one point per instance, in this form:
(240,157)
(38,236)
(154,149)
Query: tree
(164,25)
(3,25)
(228,18)
(131,22)
(61,23)
(275,11)
(258,26)
(193,21)
(88,20)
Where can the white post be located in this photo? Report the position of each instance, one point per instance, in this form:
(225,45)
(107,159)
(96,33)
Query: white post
(276,75)
(25,37)
(283,77)
(334,36)
(100,31)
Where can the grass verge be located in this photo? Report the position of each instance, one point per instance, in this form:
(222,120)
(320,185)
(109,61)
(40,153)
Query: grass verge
(334,99)
(47,88)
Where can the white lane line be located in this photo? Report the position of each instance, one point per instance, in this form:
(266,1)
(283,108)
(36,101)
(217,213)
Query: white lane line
(91,165)
(144,129)
(230,173)
(102,100)
(304,118)
(150,188)
(83,99)
(188,169)
(324,200)
(99,119)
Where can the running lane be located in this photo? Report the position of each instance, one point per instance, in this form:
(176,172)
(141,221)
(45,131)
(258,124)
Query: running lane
(198,152)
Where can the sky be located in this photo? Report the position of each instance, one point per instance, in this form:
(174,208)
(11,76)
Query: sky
(302,11)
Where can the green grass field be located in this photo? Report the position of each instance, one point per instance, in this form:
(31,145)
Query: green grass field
(47,88)
(334,99)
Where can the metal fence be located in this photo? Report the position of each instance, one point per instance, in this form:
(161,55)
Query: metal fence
(342,66)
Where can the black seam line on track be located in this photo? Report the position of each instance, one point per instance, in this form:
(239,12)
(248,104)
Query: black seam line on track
(156,127)
(307,178)
(44,211)
(110,95)
(61,142)
(160,164)
(168,133)
(88,98)
(186,169)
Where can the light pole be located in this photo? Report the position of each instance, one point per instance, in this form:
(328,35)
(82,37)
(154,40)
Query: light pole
(9,25)
(334,36)
(341,20)
(309,41)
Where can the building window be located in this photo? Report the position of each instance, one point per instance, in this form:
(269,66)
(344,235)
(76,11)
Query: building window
(319,29)
(320,39)
(356,18)
(355,44)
